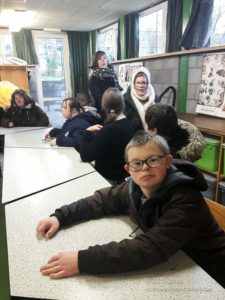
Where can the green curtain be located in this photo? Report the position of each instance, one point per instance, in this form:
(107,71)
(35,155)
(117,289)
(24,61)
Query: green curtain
(174,25)
(128,36)
(78,48)
(24,46)
(196,34)
(91,46)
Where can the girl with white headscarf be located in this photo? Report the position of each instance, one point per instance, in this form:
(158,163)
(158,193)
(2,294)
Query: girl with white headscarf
(139,96)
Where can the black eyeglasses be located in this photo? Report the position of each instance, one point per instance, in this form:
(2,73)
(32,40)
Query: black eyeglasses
(152,162)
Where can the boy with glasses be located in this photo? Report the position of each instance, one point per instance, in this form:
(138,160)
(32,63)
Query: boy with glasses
(163,198)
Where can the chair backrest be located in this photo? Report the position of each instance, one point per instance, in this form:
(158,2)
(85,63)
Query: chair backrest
(218,211)
(174,93)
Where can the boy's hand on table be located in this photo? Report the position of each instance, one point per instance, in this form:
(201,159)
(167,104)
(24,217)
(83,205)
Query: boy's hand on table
(48,227)
(61,265)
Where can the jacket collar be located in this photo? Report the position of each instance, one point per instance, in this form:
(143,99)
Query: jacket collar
(180,172)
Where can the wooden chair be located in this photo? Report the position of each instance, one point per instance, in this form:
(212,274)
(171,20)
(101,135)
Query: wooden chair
(218,211)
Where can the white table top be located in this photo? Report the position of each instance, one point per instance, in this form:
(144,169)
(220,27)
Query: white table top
(5,131)
(28,170)
(179,278)
(31,139)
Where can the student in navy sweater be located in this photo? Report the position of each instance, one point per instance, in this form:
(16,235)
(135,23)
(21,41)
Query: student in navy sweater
(73,129)
(106,144)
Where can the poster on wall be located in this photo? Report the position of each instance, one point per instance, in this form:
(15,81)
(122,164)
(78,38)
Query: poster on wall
(212,87)
(125,73)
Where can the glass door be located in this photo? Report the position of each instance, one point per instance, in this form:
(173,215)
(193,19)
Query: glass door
(53,75)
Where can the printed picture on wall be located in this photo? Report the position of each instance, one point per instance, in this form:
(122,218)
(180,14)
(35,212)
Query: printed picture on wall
(125,73)
(212,88)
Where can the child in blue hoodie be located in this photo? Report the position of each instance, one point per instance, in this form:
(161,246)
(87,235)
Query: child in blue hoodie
(73,129)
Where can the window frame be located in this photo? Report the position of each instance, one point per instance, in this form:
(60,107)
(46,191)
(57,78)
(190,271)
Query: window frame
(148,11)
(4,31)
(215,27)
(44,34)
(113,27)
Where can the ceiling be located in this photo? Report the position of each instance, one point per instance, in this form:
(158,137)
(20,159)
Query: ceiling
(75,15)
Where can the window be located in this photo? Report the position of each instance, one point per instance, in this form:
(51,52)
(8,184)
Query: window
(51,50)
(217,32)
(107,41)
(6,45)
(53,74)
(152,28)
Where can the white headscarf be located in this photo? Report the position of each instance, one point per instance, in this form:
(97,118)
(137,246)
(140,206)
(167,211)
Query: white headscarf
(150,95)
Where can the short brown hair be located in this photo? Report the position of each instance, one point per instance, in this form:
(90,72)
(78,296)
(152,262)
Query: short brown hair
(142,138)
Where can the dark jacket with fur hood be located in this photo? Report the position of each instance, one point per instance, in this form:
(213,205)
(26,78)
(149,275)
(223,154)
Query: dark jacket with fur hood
(30,115)
(175,217)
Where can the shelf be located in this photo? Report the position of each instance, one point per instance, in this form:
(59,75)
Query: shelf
(215,173)
(209,125)
(15,74)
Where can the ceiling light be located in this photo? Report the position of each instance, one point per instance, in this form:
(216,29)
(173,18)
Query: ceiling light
(52,29)
(16,19)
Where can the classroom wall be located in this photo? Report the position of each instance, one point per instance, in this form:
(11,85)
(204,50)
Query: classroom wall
(165,72)
(194,79)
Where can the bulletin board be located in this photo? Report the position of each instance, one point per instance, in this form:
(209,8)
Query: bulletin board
(125,73)
(212,87)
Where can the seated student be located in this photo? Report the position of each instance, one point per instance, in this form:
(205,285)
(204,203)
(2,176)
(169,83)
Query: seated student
(82,98)
(184,139)
(138,97)
(163,198)
(106,144)
(23,111)
(73,129)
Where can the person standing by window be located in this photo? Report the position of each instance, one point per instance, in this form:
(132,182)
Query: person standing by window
(101,77)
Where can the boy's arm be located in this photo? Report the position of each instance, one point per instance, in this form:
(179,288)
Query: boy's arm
(107,201)
(173,231)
